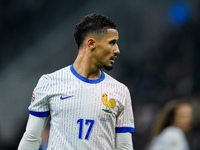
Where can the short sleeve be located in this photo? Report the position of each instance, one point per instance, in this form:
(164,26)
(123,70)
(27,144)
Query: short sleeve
(125,120)
(39,106)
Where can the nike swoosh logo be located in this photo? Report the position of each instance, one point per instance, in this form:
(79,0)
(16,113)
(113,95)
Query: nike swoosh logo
(62,98)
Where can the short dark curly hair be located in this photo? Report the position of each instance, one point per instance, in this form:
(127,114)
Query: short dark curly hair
(92,23)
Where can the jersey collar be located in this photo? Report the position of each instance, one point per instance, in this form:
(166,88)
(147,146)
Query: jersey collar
(85,79)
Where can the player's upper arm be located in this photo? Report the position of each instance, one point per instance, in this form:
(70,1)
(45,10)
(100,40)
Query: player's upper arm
(124,141)
(31,139)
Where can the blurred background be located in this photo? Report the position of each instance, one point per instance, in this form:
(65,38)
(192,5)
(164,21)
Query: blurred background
(159,60)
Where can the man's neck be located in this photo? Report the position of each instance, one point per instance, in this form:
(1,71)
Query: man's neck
(86,68)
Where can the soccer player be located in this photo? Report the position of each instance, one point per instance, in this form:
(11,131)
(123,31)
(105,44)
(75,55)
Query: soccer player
(88,109)
(172,127)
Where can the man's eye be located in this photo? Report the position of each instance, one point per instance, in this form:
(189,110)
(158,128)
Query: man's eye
(113,42)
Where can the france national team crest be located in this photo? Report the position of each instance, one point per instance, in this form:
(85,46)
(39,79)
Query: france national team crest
(33,98)
(110,104)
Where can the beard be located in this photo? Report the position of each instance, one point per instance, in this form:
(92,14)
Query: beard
(108,68)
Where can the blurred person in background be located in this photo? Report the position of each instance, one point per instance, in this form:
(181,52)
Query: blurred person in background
(172,127)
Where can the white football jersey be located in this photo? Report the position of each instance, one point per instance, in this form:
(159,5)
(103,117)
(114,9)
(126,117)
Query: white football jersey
(85,114)
(171,138)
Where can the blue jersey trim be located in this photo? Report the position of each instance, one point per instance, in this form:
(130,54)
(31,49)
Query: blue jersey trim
(40,114)
(124,129)
(85,79)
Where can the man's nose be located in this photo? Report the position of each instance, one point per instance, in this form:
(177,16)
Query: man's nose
(117,51)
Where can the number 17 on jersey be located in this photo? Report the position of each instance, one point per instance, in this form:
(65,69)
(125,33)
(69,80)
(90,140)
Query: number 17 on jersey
(89,123)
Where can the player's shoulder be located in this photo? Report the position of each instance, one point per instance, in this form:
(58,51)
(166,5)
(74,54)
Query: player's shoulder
(172,131)
(58,73)
(111,79)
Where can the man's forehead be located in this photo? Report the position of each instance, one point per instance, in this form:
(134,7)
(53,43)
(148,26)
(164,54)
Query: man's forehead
(110,30)
(113,33)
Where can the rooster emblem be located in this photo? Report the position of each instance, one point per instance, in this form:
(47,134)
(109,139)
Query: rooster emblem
(109,104)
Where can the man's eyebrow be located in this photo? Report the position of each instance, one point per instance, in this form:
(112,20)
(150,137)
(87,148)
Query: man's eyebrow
(114,40)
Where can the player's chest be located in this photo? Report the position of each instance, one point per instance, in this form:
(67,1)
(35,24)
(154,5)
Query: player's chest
(87,100)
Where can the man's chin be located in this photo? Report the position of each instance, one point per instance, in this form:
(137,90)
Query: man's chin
(108,68)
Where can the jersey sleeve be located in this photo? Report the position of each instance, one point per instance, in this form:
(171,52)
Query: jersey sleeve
(125,120)
(39,106)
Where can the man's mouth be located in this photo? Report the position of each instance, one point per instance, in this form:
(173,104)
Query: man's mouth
(113,58)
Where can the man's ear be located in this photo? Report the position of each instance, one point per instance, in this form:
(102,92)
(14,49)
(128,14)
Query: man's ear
(91,43)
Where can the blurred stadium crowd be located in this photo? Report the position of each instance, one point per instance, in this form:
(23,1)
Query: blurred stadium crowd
(160,62)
